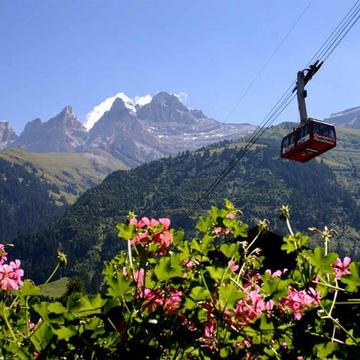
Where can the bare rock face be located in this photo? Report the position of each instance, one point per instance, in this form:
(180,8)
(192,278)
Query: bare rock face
(7,135)
(133,134)
(123,135)
(63,133)
(349,118)
(162,127)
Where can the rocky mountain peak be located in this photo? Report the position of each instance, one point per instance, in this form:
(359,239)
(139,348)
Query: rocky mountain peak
(163,98)
(349,118)
(118,105)
(7,135)
(62,133)
(67,111)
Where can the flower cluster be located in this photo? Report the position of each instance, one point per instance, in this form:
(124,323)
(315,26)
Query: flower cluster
(152,231)
(168,300)
(298,300)
(251,306)
(10,274)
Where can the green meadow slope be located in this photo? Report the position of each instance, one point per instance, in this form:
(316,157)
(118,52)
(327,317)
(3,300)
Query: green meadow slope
(37,187)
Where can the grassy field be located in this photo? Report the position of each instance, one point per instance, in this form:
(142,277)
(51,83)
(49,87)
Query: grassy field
(72,173)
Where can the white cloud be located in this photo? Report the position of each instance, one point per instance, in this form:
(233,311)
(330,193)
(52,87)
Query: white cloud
(182,96)
(98,111)
(142,100)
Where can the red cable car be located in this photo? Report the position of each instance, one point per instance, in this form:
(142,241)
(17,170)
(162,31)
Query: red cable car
(313,137)
(308,141)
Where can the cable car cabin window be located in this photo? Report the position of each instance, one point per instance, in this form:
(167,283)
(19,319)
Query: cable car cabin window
(288,143)
(324,130)
(303,134)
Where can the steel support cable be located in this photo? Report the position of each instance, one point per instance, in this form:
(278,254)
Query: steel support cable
(330,45)
(249,143)
(336,30)
(267,62)
(241,153)
(342,37)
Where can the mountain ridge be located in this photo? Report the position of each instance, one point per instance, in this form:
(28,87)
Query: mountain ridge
(132,133)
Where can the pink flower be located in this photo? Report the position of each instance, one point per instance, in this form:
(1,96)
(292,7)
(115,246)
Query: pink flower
(230,216)
(233,266)
(153,223)
(31,325)
(172,302)
(141,238)
(165,222)
(341,268)
(148,232)
(143,222)
(277,273)
(153,299)
(210,328)
(139,278)
(250,307)
(297,301)
(219,231)
(190,263)
(10,275)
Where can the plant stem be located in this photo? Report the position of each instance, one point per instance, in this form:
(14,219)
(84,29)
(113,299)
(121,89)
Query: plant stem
(288,225)
(53,273)
(8,325)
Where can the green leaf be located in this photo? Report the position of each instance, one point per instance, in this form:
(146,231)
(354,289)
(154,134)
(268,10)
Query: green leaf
(320,261)
(65,333)
(86,305)
(207,244)
(168,268)
(28,288)
(202,315)
(126,232)
(56,308)
(228,295)
(240,229)
(230,250)
(352,280)
(43,310)
(41,336)
(199,293)
(324,351)
(204,224)
(274,287)
(294,243)
(118,286)
(216,273)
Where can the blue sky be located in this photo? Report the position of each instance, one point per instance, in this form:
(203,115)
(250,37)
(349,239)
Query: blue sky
(59,52)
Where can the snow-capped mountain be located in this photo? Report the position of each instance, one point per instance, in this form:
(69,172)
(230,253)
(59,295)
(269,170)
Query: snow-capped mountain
(158,128)
(62,133)
(349,118)
(7,135)
(133,130)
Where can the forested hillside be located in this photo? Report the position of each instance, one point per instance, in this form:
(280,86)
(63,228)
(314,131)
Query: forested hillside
(36,187)
(317,193)
(25,203)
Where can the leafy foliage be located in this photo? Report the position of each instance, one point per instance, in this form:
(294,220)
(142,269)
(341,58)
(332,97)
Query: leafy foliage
(208,298)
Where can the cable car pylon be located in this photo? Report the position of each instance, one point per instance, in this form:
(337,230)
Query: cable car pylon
(313,137)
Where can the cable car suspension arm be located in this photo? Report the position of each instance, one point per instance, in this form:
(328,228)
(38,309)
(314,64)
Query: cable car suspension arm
(303,77)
